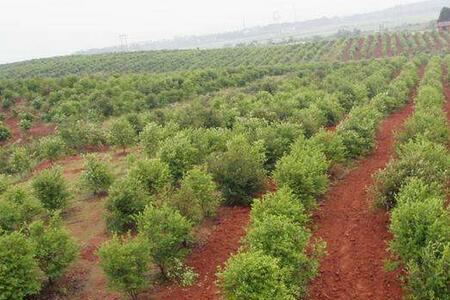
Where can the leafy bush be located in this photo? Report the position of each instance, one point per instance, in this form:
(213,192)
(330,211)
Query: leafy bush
(416,224)
(179,153)
(126,199)
(239,171)
(253,275)
(50,188)
(4,183)
(304,171)
(96,176)
(422,159)
(19,275)
(167,231)
(5,132)
(280,203)
(80,134)
(19,161)
(151,137)
(279,237)
(18,208)
(197,196)
(51,147)
(55,248)
(152,174)
(330,144)
(126,263)
(121,134)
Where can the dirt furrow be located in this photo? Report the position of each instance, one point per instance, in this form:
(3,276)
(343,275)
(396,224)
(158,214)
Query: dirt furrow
(356,235)
(223,240)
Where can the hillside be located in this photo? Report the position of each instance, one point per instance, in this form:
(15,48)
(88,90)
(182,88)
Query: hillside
(420,12)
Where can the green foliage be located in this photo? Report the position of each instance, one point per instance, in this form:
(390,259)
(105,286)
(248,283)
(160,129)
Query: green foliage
(280,203)
(26,121)
(416,224)
(96,176)
(127,198)
(330,144)
(253,275)
(19,275)
(51,189)
(126,263)
(18,208)
(197,196)
(279,237)
(19,161)
(179,153)
(304,171)
(153,174)
(80,134)
(167,231)
(51,147)
(151,137)
(422,159)
(239,171)
(4,183)
(55,248)
(5,132)
(122,134)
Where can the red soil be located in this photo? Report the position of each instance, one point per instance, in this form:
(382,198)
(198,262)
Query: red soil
(444,37)
(359,48)
(356,236)
(379,47)
(389,46)
(223,241)
(37,131)
(400,49)
(446,91)
(346,54)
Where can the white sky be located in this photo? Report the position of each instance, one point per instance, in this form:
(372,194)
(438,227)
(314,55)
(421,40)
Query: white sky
(41,28)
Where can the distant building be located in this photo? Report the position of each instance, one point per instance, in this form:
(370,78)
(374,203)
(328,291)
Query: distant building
(444,19)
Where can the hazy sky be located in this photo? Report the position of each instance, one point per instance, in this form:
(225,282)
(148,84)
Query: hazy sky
(40,28)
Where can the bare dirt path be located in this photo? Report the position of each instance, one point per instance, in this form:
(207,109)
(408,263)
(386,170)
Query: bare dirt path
(223,241)
(356,235)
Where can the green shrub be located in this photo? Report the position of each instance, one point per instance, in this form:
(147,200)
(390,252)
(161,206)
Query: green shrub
(55,248)
(330,144)
(239,171)
(416,190)
(96,176)
(51,147)
(197,196)
(167,231)
(304,171)
(279,237)
(20,276)
(5,132)
(4,183)
(50,188)
(280,203)
(19,161)
(18,208)
(126,200)
(429,276)
(422,159)
(152,174)
(126,263)
(151,137)
(179,153)
(253,276)
(121,134)
(80,134)
(416,224)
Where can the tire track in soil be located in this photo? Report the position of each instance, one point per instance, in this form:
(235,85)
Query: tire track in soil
(223,241)
(356,235)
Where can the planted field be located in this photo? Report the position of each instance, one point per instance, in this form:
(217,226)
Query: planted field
(308,171)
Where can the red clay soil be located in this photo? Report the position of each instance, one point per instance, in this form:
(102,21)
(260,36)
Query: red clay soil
(37,131)
(356,236)
(389,46)
(379,47)
(346,54)
(359,48)
(400,49)
(446,91)
(223,241)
